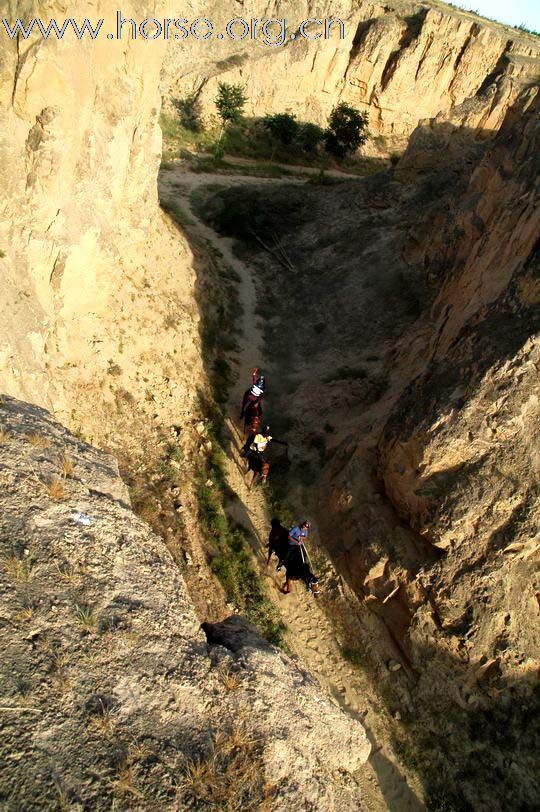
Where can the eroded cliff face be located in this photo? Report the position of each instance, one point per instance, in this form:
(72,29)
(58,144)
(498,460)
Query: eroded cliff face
(92,272)
(454,575)
(401,63)
(458,456)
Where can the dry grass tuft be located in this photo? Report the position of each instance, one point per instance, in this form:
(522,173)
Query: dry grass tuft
(56,489)
(26,614)
(37,440)
(24,691)
(86,616)
(230,778)
(64,802)
(67,571)
(4,437)
(59,661)
(104,723)
(230,680)
(18,569)
(127,774)
(61,683)
(126,782)
(67,466)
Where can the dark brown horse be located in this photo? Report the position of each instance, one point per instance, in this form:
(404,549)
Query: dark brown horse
(297,568)
(258,465)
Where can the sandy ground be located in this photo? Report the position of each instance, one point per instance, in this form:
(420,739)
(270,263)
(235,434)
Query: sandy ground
(311,635)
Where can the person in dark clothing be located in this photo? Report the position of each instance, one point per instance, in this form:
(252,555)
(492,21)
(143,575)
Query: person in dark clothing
(278,542)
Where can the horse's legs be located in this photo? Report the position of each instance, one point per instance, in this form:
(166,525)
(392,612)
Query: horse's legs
(254,479)
(287,586)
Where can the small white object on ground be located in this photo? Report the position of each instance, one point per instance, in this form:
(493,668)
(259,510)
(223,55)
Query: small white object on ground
(82,518)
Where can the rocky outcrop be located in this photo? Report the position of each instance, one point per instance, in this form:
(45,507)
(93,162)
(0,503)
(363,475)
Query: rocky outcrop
(400,63)
(111,691)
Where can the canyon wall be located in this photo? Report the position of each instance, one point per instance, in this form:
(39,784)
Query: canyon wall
(458,456)
(399,62)
(432,501)
(92,272)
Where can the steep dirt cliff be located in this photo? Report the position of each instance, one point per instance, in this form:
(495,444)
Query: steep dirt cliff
(400,62)
(458,456)
(457,583)
(91,270)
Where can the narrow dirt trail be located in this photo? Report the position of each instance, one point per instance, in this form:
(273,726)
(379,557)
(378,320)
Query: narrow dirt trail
(311,635)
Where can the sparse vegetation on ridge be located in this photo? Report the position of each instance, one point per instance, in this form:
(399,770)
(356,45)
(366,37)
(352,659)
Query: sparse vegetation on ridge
(232,556)
(275,138)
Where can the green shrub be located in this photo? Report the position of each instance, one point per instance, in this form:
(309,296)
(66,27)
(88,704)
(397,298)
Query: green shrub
(189,112)
(283,127)
(310,136)
(346,130)
(522,27)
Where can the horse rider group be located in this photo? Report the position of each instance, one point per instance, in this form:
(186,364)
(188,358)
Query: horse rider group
(287,544)
(256,438)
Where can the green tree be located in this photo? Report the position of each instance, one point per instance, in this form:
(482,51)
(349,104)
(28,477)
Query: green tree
(310,136)
(282,126)
(189,112)
(230,103)
(346,130)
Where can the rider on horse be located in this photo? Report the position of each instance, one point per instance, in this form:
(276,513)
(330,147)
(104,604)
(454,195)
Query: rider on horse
(297,564)
(255,393)
(254,451)
(252,418)
(258,442)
